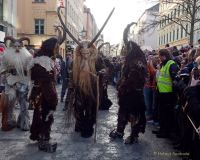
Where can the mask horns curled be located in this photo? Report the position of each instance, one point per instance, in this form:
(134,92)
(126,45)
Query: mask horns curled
(126,31)
(9,38)
(24,39)
(13,40)
(70,34)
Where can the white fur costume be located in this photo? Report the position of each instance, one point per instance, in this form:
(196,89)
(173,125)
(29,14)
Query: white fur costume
(14,67)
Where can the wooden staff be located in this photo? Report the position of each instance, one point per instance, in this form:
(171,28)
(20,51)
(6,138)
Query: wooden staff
(97,109)
(193,124)
(190,119)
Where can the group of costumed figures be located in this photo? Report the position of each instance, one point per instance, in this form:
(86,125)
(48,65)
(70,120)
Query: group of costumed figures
(33,78)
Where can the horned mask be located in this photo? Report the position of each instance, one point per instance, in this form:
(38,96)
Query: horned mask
(84,58)
(17,44)
(132,51)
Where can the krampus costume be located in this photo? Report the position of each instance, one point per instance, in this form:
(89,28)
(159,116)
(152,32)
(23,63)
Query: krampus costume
(43,95)
(105,102)
(14,66)
(85,80)
(130,92)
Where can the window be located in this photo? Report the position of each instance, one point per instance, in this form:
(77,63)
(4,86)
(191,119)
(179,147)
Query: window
(173,35)
(186,28)
(175,13)
(1,10)
(179,9)
(167,37)
(177,34)
(39,26)
(164,39)
(1,28)
(171,15)
(39,1)
(170,36)
(181,32)
(168,18)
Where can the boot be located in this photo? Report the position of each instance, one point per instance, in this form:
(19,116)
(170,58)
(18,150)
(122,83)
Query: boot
(131,140)
(34,137)
(8,123)
(114,134)
(47,146)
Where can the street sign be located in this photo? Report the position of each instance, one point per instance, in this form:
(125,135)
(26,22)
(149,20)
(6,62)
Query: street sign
(61,3)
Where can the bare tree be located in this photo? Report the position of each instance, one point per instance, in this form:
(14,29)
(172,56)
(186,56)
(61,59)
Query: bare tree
(184,13)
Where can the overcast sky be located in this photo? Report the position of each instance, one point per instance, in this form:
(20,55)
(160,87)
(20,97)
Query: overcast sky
(126,11)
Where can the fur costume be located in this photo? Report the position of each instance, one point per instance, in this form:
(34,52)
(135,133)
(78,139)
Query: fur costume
(84,77)
(85,100)
(130,92)
(43,96)
(14,67)
(105,102)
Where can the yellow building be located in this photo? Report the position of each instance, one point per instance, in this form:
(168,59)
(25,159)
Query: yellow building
(36,19)
(169,32)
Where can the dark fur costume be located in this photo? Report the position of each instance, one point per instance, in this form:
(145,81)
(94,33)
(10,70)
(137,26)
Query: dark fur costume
(85,106)
(85,112)
(130,93)
(191,141)
(105,102)
(44,99)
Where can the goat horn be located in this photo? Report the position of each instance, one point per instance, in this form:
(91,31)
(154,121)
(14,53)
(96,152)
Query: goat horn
(25,39)
(65,28)
(9,38)
(126,31)
(98,34)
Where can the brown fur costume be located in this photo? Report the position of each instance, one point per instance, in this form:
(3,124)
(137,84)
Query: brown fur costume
(130,91)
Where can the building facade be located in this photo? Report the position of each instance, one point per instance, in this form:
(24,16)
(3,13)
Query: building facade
(147,39)
(8,14)
(37,18)
(170,32)
(90,25)
(75,18)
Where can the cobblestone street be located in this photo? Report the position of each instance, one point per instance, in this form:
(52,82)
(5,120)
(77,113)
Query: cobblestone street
(15,145)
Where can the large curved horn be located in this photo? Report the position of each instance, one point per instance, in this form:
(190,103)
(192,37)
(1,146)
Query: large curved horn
(25,39)
(61,38)
(126,31)
(9,38)
(98,34)
(65,28)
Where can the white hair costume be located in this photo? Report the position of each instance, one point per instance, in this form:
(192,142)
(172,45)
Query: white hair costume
(14,67)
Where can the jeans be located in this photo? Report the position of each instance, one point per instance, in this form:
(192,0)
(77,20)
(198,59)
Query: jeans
(148,98)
